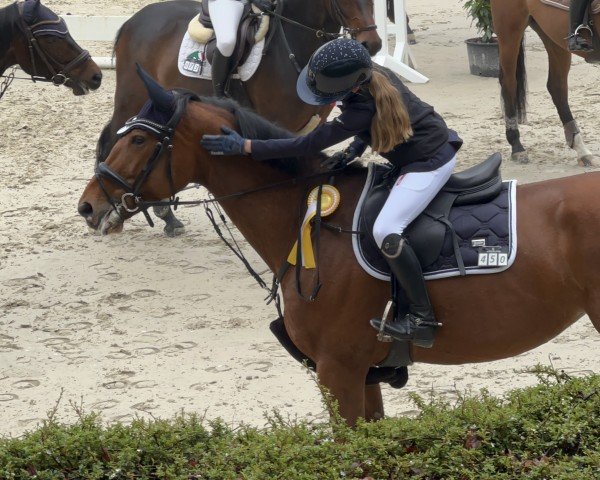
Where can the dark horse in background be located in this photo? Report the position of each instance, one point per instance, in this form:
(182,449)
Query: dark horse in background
(553,282)
(511,18)
(153,35)
(36,39)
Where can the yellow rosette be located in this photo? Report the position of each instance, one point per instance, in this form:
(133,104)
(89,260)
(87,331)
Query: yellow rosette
(330,200)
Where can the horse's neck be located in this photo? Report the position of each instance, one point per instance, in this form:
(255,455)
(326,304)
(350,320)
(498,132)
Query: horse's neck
(8,17)
(268,219)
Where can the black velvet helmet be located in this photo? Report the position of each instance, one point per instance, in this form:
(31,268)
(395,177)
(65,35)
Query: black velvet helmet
(333,71)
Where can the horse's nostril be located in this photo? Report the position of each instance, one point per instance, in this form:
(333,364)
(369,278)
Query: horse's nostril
(85,209)
(97,80)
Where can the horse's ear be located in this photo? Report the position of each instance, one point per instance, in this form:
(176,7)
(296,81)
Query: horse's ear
(161,99)
(30,11)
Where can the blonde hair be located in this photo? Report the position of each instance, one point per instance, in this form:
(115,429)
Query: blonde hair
(391,123)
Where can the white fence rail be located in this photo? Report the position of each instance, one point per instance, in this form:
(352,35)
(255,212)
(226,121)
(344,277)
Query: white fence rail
(104,29)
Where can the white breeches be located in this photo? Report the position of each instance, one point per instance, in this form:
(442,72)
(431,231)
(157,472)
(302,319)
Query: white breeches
(409,197)
(225,16)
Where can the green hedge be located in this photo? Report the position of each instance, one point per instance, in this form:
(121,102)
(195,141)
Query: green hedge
(551,431)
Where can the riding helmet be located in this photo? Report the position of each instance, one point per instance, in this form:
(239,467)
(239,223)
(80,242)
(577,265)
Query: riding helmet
(333,71)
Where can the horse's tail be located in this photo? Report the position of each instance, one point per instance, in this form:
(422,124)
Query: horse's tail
(521,84)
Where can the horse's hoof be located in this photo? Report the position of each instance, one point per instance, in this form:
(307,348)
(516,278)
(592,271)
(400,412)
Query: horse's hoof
(589,161)
(174,231)
(520,157)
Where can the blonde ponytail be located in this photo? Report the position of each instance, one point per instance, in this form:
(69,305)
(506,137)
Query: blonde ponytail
(391,124)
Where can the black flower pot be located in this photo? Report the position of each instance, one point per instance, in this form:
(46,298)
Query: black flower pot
(484,58)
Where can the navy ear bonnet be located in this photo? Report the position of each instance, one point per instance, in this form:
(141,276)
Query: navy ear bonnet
(149,114)
(42,20)
(156,112)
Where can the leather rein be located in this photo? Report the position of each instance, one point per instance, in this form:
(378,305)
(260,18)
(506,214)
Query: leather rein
(339,17)
(59,72)
(132,202)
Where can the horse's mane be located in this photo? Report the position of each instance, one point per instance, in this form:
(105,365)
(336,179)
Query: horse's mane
(255,127)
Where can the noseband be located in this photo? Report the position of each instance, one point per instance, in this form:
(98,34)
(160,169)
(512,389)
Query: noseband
(164,134)
(60,74)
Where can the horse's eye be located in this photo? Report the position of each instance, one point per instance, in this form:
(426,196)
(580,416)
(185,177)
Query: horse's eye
(137,140)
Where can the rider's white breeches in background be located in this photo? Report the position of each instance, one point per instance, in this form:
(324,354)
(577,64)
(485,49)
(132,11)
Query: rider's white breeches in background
(225,16)
(410,195)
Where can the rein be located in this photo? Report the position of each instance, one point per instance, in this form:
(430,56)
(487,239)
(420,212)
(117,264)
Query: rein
(8,79)
(320,33)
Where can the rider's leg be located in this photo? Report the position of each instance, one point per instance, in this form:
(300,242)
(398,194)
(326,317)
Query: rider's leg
(577,14)
(225,16)
(409,197)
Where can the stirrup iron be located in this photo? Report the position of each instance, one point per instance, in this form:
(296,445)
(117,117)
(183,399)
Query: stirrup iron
(381,335)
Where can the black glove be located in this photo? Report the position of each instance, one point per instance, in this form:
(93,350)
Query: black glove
(341,159)
(229,144)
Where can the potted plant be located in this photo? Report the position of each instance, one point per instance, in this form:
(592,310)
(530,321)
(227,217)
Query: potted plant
(483,50)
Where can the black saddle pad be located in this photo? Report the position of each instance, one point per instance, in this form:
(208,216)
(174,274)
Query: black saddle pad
(483,234)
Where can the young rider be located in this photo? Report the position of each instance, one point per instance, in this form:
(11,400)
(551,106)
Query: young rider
(378,110)
(225,16)
(578,43)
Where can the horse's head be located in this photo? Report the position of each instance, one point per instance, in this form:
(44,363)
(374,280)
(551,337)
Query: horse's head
(45,49)
(357,17)
(143,165)
(158,153)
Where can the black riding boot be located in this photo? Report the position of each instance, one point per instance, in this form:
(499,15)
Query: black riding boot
(418,326)
(220,70)
(578,43)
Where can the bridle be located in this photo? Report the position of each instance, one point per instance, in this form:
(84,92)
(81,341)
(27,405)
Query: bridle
(59,72)
(164,134)
(339,17)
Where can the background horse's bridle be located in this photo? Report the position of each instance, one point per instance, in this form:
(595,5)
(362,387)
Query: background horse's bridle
(338,15)
(57,77)
(59,72)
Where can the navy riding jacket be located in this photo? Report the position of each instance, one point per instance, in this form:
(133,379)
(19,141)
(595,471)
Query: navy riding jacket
(432,145)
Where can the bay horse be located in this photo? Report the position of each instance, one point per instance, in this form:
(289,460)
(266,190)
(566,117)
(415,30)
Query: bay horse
(553,282)
(511,18)
(153,35)
(36,39)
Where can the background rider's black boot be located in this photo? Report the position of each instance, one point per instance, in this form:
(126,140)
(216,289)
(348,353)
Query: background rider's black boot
(419,325)
(220,70)
(577,43)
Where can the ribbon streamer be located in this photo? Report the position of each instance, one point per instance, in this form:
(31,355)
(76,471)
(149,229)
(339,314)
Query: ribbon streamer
(330,200)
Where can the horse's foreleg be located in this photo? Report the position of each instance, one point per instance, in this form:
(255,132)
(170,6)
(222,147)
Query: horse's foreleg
(373,403)
(559,65)
(347,385)
(173,226)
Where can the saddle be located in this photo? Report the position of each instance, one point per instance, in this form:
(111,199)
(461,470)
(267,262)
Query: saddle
(253,28)
(433,234)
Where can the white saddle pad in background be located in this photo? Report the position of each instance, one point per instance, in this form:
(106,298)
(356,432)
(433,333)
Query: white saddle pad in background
(192,60)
